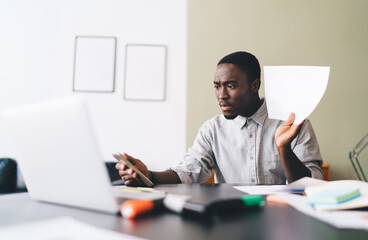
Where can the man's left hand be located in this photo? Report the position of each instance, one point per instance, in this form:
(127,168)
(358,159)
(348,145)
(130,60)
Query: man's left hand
(286,132)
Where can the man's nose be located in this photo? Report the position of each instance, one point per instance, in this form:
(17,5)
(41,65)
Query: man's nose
(223,94)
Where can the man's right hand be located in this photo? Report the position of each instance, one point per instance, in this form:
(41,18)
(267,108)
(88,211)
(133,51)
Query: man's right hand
(129,176)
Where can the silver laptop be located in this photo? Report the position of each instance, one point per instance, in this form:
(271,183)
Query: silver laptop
(58,155)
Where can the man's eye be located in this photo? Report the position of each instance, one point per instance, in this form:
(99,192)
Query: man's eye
(231,86)
(216,87)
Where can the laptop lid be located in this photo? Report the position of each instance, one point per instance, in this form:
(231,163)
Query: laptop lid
(58,155)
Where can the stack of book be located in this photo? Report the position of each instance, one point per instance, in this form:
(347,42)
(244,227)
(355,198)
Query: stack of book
(338,195)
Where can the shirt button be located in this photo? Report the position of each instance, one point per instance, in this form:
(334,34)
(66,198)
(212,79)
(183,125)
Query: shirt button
(251,157)
(252,180)
(251,135)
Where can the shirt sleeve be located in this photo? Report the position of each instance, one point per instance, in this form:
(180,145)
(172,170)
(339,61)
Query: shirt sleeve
(196,167)
(306,148)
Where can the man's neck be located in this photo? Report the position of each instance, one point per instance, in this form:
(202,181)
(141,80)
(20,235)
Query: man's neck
(254,107)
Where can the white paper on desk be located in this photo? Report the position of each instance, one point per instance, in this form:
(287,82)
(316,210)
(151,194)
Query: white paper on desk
(305,182)
(338,219)
(296,89)
(272,189)
(261,189)
(64,228)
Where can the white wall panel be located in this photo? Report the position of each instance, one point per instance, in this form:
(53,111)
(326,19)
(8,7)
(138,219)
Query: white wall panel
(36,63)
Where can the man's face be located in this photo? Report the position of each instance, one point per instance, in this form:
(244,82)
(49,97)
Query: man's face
(234,92)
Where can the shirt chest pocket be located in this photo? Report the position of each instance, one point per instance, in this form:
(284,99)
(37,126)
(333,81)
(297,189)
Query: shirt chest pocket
(272,169)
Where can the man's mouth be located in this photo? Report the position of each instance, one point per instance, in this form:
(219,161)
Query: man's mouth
(225,106)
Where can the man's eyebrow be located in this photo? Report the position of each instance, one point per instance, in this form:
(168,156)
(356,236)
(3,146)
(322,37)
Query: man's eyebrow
(225,82)
(230,81)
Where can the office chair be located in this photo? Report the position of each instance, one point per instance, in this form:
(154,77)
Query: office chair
(8,175)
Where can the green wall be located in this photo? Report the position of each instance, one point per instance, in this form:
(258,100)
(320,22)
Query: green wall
(287,32)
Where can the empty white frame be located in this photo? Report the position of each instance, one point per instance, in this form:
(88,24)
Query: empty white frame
(145,72)
(94,64)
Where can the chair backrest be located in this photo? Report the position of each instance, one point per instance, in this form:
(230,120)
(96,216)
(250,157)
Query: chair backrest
(326,172)
(8,175)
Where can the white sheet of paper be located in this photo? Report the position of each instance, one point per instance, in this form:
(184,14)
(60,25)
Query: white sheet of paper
(272,189)
(305,182)
(338,219)
(261,189)
(296,89)
(63,228)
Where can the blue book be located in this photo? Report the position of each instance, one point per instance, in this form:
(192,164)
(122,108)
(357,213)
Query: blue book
(334,196)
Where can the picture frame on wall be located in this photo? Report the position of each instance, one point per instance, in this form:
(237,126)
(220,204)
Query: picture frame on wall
(145,72)
(94,64)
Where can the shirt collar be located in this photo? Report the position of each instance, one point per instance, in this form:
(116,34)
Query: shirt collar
(261,114)
(240,121)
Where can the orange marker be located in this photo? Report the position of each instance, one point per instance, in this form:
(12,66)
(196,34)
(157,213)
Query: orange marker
(132,208)
(274,199)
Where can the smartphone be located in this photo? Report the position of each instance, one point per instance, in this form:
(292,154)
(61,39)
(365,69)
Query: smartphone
(144,179)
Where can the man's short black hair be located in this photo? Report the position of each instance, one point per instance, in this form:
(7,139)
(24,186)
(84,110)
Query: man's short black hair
(247,62)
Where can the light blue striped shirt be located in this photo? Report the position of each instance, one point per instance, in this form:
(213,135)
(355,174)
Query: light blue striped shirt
(243,150)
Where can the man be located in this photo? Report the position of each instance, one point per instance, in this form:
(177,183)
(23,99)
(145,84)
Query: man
(243,145)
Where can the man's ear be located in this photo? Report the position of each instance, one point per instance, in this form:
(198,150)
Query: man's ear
(256,84)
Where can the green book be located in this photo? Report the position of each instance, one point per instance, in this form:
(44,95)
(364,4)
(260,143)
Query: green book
(334,196)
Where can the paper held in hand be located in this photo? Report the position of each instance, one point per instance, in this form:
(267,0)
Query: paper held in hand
(294,89)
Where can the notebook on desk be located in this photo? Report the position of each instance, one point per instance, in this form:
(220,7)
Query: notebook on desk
(59,157)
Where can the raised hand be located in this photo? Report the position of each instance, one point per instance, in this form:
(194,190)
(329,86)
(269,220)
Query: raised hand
(286,132)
